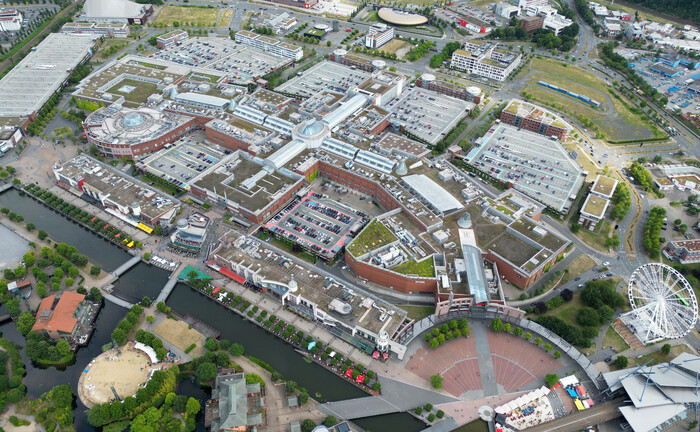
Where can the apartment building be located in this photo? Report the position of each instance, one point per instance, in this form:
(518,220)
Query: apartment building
(378,35)
(486,59)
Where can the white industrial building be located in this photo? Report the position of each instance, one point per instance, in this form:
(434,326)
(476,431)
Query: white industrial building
(273,46)
(378,35)
(10,20)
(505,10)
(116,11)
(27,87)
(486,59)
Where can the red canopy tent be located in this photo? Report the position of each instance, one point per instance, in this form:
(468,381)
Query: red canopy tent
(348,373)
(360,379)
(375,355)
(216,290)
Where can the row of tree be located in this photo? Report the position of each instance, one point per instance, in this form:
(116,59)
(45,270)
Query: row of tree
(652,232)
(622,200)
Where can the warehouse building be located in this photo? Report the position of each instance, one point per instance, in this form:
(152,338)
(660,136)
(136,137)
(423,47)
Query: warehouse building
(116,11)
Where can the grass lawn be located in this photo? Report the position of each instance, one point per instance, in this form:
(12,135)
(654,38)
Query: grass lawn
(581,264)
(197,16)
(614,340)
(418,312)
(423,268)
(372,237)
(620,125)
(139,94)
(372,16)
(656,357)
(110,46)
(225,17)
(585,160)
(596,238)
(395,45)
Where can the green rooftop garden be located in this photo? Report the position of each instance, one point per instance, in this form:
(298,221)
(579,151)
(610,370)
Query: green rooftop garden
(424,268)
(374,236)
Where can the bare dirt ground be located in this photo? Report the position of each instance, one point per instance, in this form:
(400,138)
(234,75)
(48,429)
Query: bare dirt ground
(179,334)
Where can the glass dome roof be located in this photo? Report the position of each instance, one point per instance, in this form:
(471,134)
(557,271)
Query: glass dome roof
(133,119)
(312,128)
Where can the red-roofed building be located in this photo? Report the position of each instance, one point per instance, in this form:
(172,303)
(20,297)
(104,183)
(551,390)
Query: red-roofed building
(60,317)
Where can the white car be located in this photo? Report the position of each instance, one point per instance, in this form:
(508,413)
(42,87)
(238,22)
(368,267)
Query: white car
(606,263)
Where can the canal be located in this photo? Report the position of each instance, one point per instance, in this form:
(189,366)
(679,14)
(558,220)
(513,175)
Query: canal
(143,280)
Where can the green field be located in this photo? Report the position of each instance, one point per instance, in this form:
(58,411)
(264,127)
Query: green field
(614,340)
(139,94)
(190,16)
(614,119)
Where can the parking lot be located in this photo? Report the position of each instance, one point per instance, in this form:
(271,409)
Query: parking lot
(325,76)
(239,61)
(676,89)
(318,223)
(30,15)
(535,165)
(182,162)
(427,114)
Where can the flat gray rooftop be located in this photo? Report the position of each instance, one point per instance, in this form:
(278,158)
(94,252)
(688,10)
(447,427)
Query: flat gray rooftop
(240,62)
(27,87)
(182,162)
(535,164)
(427,114)
(324,76)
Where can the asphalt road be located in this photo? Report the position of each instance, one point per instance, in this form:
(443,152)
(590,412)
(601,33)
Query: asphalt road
(581,419)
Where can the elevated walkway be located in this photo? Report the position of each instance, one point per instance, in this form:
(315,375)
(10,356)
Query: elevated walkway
(126,266)
(119,302)
(5,187)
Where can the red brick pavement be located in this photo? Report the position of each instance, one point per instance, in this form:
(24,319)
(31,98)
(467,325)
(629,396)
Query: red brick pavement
(517,362)
(455,361)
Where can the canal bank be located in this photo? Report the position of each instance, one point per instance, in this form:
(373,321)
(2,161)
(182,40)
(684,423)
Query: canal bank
(147,280)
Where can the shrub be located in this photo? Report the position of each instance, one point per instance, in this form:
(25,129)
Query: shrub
(419,411)
(428,407)
(440,414)
(190,348)
(431,418)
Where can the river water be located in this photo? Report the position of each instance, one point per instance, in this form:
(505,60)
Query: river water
(143,280)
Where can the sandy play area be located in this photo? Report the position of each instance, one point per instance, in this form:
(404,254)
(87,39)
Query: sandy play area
(125,372)
(181,335)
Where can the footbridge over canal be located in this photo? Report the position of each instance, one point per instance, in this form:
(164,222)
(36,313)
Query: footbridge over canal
(397,396)
(126,266)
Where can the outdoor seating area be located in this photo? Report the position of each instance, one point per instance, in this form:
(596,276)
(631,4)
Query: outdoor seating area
(526,411)
(577,392)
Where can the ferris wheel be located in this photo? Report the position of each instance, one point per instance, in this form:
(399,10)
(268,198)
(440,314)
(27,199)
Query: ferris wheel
(663,303)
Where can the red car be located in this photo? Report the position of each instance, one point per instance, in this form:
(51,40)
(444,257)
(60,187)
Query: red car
(348,30)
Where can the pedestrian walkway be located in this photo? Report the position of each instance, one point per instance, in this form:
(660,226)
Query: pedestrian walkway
(169,285)
(117,301)
(126,266)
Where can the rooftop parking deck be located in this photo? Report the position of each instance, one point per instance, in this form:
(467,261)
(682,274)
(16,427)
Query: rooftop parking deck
(427,114)
(182,162)
(241,63)
(317,223)
(326,76)
(536,165)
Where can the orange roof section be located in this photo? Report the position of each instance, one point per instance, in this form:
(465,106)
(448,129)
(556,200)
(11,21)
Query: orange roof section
(61,318)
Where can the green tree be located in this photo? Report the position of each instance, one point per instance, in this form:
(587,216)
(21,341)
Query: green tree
(665,349)
(557,354)
(497,325)
(307,425)
(193,407)
(25,322)
(436,381)
(236,350)
(551,379)
(206,371)
(621,362)
(63,347)
(330,421)
(95,270)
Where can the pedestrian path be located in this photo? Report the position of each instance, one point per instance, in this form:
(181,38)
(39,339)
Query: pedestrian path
(117,301)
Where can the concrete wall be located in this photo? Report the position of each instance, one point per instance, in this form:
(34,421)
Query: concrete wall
(397,282)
